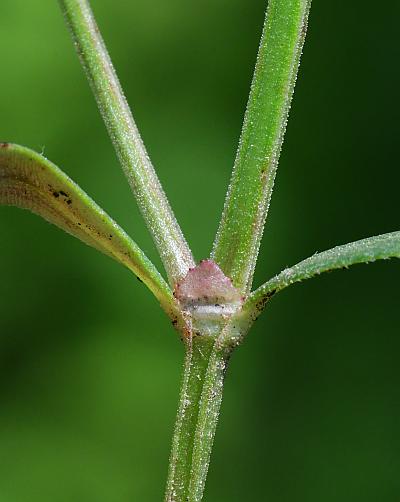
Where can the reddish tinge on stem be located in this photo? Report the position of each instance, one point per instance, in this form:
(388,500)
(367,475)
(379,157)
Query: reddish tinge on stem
(206,284)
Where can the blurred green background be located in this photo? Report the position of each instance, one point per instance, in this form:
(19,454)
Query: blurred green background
(90,367)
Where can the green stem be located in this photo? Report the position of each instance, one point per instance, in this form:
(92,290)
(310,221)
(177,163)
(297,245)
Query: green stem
(167,235)
(238,239)
(200,401)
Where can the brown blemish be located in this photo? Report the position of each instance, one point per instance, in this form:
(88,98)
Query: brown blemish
(56,194)
(69,202)
(4,145)
(63,193)
(261,303)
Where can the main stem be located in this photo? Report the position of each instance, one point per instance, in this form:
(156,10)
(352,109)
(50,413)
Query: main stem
(200,401)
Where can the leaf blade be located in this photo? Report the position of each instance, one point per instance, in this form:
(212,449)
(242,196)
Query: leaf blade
(367,250)
(29,181)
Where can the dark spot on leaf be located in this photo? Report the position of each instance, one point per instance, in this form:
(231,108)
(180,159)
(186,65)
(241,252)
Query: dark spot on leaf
(56,195)
(80,224)
(261,304)
(63,193)
(69,201)
(4,145)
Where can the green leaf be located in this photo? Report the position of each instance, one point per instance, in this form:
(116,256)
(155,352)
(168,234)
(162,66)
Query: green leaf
(153,203)
(240,231)
(367,250)
(30,181)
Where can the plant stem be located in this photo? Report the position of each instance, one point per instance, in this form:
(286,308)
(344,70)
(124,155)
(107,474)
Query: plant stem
(167,235)
(200,401)
(239,234)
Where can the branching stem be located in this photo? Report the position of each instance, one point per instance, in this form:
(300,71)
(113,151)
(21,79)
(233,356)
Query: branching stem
(167,235)
(240,231)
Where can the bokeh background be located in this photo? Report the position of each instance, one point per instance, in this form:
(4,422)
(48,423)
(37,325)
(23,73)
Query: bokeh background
(90,367)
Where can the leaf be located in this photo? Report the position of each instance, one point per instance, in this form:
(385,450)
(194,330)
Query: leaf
(367,250)
(30,181)
(238,239)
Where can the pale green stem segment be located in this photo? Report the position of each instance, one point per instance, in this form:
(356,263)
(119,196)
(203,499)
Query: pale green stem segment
(367,250)
(167,235)
(200,401)
(246,205)
(30,181)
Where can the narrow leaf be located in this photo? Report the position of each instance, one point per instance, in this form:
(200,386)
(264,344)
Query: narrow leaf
(240,231)
(152,201)
(367,250)
(30,181)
